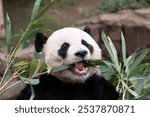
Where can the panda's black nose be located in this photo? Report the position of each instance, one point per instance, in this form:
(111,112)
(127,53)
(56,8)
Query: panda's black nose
(81,54)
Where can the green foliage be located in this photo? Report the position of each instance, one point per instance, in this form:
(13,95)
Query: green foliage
(8,33)
(35,9)
(24,70)
(129,76)
(115,5)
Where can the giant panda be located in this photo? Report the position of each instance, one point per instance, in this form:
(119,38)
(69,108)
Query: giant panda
(70,46)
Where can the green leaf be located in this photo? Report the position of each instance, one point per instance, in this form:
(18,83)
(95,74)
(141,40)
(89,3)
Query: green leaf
(95,62)
(130,90)
(142,70)
(109,64)
(43,68)
(128,62)
(111,50)
(33,66)
(35,9)
(106,71)
(31,81)
(41,22)
(123,47)
(147,79)
(43,10)
(146,96)
(60,68)
(138,82)
(8,33)
(22,63)
(138,59)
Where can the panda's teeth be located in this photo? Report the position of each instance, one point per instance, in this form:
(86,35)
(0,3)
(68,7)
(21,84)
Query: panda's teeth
(81,72)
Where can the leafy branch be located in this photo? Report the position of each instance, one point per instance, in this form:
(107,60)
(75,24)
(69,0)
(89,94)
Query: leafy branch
(129,76)
(36,25)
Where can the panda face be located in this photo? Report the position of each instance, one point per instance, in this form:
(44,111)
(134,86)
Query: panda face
(71,46)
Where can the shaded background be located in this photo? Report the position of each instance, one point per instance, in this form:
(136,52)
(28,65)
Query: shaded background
(110,16)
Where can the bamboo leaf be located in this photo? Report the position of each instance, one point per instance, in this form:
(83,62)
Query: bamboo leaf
(138,82)
(129,62)
(106,71)
(142,69)
(43,10)
(147,79)
(35,9)
(33,66)
(111,50)
(138,59)
(31,81)
(123,47)
(130,90)
(94,63)
(22,63)
(60,68)
(8,33)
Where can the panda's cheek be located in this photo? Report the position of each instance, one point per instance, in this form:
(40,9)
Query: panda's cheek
(53,61)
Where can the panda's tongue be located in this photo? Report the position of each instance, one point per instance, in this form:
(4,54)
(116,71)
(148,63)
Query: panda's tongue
(79,66)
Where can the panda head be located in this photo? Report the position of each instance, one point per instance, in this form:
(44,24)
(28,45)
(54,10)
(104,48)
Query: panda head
(69,46)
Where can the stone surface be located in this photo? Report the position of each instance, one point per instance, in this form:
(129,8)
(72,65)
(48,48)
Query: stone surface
(135,25)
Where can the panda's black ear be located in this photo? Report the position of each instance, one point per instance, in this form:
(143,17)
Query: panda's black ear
(87,29)
(40,40)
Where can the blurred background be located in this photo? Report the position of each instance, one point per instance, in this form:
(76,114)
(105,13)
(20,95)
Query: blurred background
(132,17)
(111,16)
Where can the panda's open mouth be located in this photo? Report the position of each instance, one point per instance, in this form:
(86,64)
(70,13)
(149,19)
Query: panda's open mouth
(80,68)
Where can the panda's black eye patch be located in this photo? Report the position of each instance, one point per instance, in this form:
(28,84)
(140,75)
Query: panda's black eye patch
(90,47)
(63,50)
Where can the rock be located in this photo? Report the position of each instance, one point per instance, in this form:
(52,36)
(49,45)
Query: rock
(135,25)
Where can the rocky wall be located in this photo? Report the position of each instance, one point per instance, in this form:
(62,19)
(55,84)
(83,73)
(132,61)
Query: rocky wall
(135,25)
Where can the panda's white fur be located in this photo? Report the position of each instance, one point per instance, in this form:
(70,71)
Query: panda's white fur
(73,36)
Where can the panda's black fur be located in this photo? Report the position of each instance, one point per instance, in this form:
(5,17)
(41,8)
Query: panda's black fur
(51,88)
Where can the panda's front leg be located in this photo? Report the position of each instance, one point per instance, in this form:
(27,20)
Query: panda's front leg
(101,89)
